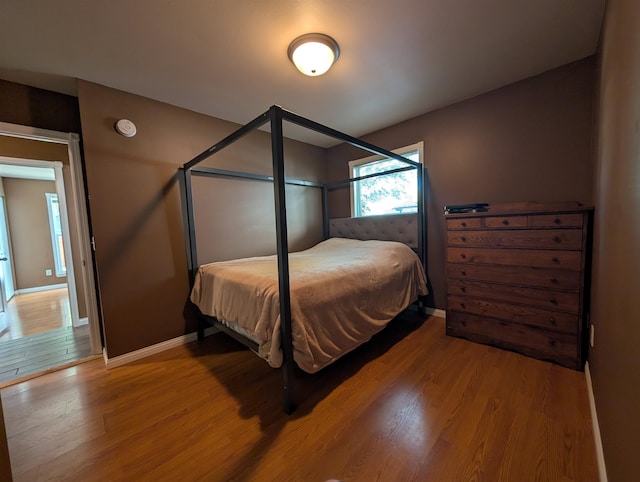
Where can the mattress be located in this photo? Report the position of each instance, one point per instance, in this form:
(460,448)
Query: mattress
(343,291)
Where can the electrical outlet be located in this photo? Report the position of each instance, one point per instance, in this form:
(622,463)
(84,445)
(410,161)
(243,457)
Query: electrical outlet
(47,272)
(592,335)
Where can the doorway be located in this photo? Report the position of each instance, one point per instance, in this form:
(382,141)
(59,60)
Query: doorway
(67,298)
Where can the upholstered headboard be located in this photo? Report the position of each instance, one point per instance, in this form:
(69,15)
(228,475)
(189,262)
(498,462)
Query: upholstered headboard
(395,227)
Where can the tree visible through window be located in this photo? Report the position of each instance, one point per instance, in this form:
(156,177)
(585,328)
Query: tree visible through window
(386,194)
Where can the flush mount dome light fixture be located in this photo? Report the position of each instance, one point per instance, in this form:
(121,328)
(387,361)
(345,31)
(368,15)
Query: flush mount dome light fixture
(313,53)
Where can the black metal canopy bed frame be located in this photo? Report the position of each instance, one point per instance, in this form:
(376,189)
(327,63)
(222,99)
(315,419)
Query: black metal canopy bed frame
(275,117)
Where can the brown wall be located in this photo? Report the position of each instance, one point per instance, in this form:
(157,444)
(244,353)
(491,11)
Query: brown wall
(614,362)
(47,151)
(136,209)
(529,141)
(30,106)
(246,225)
(28,221)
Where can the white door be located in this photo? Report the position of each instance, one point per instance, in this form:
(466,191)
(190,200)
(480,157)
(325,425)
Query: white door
(3,307)
(6,267)
(6,279)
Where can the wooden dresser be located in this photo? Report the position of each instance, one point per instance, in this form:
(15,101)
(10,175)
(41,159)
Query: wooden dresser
(518,278)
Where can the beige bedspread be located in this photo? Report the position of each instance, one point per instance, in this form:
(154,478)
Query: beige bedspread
(343,291)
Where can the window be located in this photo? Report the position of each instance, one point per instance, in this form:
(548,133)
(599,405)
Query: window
(56,234)
(386,194)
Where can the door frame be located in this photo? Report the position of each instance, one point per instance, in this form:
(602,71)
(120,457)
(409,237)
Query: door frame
(72,140)
(4,226)
(64,222)
(8,256)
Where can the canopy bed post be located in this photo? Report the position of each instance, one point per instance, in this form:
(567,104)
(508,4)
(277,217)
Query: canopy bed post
(191,231)
(281,274)
(325,212)
(422,228)
(424,216)
(277,151)
(190,225)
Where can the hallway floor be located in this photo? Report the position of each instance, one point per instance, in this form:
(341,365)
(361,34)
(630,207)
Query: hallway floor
(42,352)
(39,337)
(37,312)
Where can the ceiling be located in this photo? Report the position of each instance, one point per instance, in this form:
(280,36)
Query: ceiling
(228,58)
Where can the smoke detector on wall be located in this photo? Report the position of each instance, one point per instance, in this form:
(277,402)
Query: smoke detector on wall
(125,127)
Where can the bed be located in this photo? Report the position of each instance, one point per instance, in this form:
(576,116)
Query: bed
(308,308)
(343,291)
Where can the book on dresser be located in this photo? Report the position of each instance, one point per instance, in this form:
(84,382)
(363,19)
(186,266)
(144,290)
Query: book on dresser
(518,278)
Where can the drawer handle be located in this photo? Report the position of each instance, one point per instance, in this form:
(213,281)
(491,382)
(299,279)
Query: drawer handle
(554,281)
(552,342)
(555,260)
(463,239)
(557,221)
(463,289)
(463,256)
(553,301)
(505,222)
(463,273)
(463,224)
(557,239)
(462,305)
(552,320)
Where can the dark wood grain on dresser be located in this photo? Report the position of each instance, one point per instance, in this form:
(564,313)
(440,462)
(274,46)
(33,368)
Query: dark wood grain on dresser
(517,280)
(548,258)
(516,275)
(527,238)
(517,313)
(575,220)
(550,299)
(560,348)
(506,222)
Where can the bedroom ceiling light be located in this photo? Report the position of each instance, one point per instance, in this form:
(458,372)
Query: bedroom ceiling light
(313,53)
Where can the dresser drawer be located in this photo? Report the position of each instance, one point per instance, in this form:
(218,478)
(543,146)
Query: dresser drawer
(556,347)
(517,275)
(548,299)
(570,260)
(464,223)
(518,280)
(574,220)
(506,222)
(519,314)
(525,238)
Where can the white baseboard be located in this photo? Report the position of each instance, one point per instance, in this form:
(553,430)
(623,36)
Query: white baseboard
(602,470)
(435,312)
(40,288)
(153,349)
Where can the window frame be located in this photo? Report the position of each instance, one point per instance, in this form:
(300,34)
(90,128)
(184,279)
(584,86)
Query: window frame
(418,146)
(59,258)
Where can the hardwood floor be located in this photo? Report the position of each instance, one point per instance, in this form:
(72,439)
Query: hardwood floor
(35,354)
(40,337)
(410,405)
(33,313)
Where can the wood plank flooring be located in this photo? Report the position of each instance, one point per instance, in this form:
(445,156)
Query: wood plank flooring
(37,312)
(40,337)
(34,354)
(410,405)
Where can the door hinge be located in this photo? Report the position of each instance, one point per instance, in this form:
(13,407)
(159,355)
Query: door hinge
(93,244)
